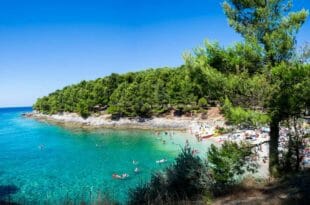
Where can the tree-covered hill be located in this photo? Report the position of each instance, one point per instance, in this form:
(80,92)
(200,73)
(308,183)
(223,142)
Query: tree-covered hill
(206,77)
(145,93)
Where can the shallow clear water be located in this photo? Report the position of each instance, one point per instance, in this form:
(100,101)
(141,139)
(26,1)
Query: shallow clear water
(75,164)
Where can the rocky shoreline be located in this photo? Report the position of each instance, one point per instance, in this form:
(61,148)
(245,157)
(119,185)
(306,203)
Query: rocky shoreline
(105,121)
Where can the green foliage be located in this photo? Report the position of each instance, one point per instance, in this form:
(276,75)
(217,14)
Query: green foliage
(82,109)
(268,23)
(187,178)
(194,85)
(238,115)
(239,58)
(228,162)
(145,93)
(154,192)
(246,91)
(271,25)
(202,102)
(291,94)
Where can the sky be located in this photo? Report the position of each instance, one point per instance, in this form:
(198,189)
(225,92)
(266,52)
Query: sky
(46,45)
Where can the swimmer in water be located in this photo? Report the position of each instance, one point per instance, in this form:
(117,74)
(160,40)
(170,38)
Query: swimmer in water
(41,146)
(161,161)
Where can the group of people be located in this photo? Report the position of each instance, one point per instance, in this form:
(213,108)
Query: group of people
(284,141)
(204,131)
(258,137)
(136,169)
(122,176)
(125,175)
(201,131)
(160,136)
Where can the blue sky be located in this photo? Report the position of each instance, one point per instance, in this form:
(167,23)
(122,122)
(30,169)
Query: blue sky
(46,45)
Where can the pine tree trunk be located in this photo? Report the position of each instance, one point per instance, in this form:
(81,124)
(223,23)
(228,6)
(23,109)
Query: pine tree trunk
(273,147)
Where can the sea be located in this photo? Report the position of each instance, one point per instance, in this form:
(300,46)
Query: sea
(42,163)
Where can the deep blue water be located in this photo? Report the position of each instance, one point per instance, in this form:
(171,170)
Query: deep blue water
(41,162)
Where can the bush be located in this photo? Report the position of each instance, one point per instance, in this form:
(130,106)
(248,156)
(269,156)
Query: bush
(146,193)
(239,116)
(190,178)
(228,162)
(187,178)
(203,103)
(83,109)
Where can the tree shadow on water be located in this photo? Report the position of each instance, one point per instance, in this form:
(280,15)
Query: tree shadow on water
(5,192)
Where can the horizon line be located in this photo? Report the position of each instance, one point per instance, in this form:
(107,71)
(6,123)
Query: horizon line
(30,106)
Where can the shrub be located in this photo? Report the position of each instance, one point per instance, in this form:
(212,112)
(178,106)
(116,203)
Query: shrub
(228,162)
(190,178)
(83,109)
(187,178)
(203,103)
(239,116)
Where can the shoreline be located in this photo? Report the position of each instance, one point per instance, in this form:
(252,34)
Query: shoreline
(105,121)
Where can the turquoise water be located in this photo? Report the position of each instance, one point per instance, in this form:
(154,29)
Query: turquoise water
(40,162)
